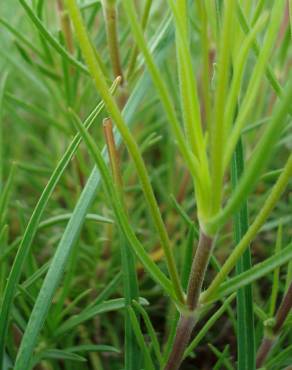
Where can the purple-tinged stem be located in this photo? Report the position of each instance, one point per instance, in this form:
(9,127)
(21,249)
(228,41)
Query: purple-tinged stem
(281,315)
(187,320)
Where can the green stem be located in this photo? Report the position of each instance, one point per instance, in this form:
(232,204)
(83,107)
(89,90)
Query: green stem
(268,206)
(96,73)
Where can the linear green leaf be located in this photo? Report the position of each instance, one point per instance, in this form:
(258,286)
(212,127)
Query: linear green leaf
(136,327)
(107,306)
(256,78)
(112,107)
(51,39)
(2,90)
(256,272)
(122,217)
(265,211)
(31,230)
(150,330)
(213,319)
(57,354)
(245,317)
(55,220)
(74,226)
(260,158)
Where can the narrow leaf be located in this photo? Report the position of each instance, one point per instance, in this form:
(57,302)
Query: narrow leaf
(245,316)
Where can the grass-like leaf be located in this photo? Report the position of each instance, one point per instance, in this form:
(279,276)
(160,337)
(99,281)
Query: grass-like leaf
(107,306)
(31,230)
(245,315)
(269,204)
(136,327)
(78,248)
(51,40)
(61,257)
(259,159)
(256,272)
(113,109)
(2,91)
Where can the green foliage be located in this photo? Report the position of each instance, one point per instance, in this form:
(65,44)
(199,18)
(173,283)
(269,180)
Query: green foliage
(245,314)
(99,273)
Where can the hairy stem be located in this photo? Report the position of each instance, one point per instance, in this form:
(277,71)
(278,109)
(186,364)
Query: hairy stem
(283,310)
(263,351)
(199,266)
(183,334)
(187,320)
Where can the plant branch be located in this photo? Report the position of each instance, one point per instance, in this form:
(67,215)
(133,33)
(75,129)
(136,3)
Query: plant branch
(184,330)
(271,335)
(101,85)
(263,351)
(283,310)
(199,266)
(213,319)
(269,204)
(260,158)
(110,15)
(187,319)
